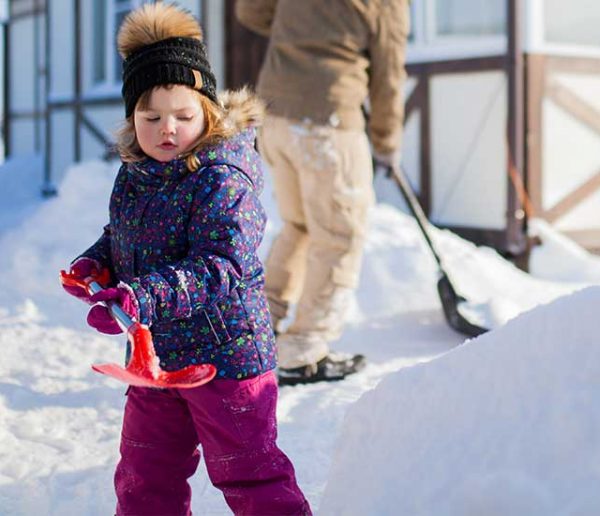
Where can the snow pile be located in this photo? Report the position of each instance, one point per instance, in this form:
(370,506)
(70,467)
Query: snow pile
(506,424)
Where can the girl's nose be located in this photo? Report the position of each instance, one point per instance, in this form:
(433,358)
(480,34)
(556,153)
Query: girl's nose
(168,126)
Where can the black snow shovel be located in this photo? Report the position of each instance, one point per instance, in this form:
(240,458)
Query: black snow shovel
(451,301)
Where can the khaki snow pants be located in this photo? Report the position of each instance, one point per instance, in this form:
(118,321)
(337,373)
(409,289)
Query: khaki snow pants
(323,182)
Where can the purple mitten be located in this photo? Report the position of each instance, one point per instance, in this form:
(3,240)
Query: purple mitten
(99,317)
(83,268)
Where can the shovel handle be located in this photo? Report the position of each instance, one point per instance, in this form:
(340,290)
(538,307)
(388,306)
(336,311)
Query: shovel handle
(143,367)
(92,285)
(114,308)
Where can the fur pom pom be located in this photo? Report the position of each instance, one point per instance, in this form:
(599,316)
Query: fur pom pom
(155,22)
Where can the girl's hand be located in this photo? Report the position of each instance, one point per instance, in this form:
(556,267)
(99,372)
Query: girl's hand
(81,269)
(99,316)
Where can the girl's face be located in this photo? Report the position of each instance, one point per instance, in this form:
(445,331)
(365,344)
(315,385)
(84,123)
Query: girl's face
(171,124)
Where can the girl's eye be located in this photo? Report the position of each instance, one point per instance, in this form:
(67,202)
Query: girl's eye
(184,118)
(152,119)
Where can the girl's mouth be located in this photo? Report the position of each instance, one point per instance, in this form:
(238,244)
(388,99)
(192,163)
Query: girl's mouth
(167,146)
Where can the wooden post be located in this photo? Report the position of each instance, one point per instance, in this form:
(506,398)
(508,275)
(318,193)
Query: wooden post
(516,240)
(48,188)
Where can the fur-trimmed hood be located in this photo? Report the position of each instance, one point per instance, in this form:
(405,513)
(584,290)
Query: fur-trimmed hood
(243,109)
(244,112)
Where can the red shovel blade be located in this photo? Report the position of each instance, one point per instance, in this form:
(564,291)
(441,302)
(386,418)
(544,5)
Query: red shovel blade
(143,368)
(186,378)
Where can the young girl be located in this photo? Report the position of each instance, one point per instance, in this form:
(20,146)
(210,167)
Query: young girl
(185,224)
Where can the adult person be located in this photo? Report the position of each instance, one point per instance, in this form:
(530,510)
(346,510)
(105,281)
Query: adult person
(323,62)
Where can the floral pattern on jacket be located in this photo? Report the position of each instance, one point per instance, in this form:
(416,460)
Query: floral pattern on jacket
(186,242)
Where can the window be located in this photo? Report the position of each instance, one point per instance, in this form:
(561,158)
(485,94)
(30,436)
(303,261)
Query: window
(99,50)
(107,16)
(411,34)
(121,10)
(4,10)
(470,17)
(576,24)
(455,29)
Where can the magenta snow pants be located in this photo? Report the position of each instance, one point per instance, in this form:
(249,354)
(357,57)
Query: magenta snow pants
(233,421)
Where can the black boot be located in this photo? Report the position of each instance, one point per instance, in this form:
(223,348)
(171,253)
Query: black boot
(335,366)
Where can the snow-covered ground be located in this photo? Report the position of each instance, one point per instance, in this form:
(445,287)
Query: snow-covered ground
(505,424)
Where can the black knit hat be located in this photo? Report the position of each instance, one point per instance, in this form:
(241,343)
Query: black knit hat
(169,61)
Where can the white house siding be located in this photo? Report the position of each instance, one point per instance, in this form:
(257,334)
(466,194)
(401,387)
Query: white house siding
(571,154)
(22,65)
(468,146)
(62,126)
(22,137)
(26,85)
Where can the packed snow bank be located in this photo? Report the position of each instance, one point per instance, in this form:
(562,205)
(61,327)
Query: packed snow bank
(559,258)
(49,236)
(505,424)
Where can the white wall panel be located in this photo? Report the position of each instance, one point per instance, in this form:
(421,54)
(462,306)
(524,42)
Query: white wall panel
(62,124)
(22,65)
(570,154)
(22,136)
(468,133)
(585,216)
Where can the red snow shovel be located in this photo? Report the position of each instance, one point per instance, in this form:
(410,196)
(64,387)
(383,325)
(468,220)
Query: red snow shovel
(143,369)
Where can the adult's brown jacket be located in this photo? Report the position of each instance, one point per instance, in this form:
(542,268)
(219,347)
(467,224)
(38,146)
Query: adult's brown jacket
(325,57)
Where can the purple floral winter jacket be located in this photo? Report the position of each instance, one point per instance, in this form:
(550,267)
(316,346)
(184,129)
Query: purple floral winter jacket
(186,243)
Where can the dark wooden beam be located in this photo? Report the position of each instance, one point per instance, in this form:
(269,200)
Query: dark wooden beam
(425,147)
(37,137)
(48,187)
(77,78)
(6,122)
(475,64)
(413,100)
(515,216)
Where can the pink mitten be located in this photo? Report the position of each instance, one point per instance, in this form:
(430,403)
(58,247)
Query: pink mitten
(81,269)
(99,317)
